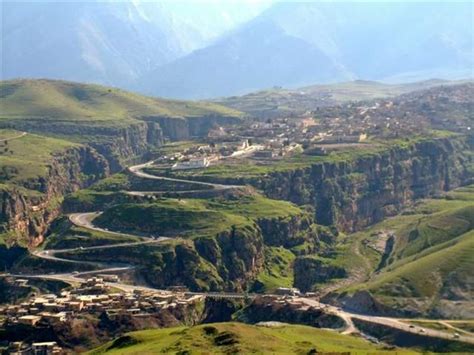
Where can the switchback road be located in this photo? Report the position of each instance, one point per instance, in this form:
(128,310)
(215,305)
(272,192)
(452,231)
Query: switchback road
(85,220)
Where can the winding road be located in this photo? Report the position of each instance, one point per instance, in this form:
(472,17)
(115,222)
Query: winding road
(85,220)
(137,170)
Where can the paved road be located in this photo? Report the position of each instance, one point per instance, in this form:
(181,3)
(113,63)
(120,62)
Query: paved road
(137,170)
(85,220)
(395,323)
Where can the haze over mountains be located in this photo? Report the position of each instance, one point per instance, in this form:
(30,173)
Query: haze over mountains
(155,49)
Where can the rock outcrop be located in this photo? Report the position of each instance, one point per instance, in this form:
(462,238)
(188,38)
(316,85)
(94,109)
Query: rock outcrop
(353,194)
(183,128)
(27,210)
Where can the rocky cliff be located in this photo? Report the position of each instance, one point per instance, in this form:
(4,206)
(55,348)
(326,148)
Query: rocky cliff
(353,194)
(184,128)
(26,210)
(229,260)
(116,143)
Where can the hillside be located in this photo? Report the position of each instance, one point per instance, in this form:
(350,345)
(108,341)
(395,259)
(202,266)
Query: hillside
(283,102)
(420,262)
(58,136)
(118,124)
(225,338)
(91,104)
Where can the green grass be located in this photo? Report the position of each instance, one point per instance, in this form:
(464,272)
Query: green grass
(426,276)
(432,258)
(226,338)
(278,269)
(30,157)
(64,235)
(61,101)
(194,217)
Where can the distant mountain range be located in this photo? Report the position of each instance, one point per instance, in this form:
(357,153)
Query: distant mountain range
(149,48)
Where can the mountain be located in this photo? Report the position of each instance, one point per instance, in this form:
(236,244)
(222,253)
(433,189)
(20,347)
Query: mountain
(106,42)
(296,44)
(259,55)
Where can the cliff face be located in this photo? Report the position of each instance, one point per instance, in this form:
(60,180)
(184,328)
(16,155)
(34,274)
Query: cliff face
(355,194)
(116,144)
(27,210)
(226,261)
(185,128)
(308,271)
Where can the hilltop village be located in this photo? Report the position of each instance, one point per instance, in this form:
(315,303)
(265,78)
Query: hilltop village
(327,129)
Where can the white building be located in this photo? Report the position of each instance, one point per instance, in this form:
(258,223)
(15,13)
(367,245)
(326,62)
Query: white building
(191,164)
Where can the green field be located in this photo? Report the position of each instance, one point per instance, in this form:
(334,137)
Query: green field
(65,235)
(238,338)
(278,270)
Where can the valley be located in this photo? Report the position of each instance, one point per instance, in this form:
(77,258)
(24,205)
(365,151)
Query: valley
(305,219)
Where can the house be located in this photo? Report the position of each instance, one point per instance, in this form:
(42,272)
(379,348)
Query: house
(49,347)
(109,278)
(53,317)
(287,291)
(191,164)
(266,153)
(29,320)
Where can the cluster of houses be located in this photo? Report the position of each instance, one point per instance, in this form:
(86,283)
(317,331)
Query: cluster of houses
(92,297)
(37,348)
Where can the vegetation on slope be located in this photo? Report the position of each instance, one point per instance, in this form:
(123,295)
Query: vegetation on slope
(427,265)
(88,104)
(280,102)
(226,338)
(29,156)
(194,217)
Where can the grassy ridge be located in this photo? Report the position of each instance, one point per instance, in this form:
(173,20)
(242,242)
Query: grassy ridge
(431,274)
(230,338)
(63,101)
(250,169)
(29,156)
(193,217)
(432,258)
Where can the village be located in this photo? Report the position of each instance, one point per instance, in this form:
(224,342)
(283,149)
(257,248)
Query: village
(314,133)
(318,132)
(91,297)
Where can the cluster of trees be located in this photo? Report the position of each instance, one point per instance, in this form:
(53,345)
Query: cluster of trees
(4,148)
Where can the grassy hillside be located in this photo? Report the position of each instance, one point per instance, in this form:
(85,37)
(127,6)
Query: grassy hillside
(194,217)
(233,338)
(27,156)
(90,104)
(431,261)
(432,272)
